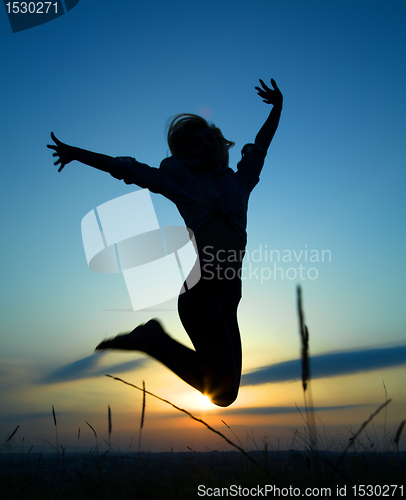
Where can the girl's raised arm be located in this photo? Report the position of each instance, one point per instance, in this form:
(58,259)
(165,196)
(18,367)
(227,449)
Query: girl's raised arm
(69,153)
(270,96)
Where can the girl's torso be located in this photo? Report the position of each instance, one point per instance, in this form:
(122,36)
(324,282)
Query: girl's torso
(220,248)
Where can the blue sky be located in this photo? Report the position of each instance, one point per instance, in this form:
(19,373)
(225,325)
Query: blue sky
(107,76)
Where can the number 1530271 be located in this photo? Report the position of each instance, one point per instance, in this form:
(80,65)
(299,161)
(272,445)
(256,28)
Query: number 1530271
(31,7)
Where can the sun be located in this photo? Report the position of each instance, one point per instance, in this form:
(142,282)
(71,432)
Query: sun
(197,402)
(202,402)
(205,401)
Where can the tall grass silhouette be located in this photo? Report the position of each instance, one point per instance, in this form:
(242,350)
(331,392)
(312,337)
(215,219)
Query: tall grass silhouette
(308,401)
(56,433)
(142,416)
(95,436)
(9,438)
(110,426)
(398,433)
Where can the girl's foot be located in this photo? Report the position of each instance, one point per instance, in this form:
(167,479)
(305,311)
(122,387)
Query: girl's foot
(142,338)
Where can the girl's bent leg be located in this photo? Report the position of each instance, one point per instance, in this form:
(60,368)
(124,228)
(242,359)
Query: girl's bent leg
(208,312)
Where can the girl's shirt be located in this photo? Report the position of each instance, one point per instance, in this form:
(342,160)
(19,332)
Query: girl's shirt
(198,193)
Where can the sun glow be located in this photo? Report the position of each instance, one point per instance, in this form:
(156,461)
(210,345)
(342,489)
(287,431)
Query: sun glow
(205,401)
(200,402)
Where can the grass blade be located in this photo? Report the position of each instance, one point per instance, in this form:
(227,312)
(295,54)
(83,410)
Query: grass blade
(356,435)
(110,426)
(396,439)
(196,419)
(304,336)
(10,437)
(142,416)
(95,435)
(143,405)
(56,433)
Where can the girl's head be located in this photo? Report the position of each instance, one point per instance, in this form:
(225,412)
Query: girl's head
(192,136)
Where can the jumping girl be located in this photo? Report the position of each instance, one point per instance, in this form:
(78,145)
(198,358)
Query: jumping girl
(213,201)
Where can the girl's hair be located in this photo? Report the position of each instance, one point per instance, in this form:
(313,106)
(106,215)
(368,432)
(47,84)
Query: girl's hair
(183,125)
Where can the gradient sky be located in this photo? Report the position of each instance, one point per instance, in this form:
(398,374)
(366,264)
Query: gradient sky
(107,76)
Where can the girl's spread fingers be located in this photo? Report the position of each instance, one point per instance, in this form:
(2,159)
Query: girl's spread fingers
(274,84)
(265,86)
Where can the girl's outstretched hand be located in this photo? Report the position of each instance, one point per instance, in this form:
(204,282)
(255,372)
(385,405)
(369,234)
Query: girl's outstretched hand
(62,150)
(270,96)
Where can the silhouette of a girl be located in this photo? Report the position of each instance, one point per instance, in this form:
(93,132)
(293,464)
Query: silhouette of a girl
(213,200)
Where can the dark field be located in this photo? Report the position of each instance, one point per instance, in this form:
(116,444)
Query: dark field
(190,475)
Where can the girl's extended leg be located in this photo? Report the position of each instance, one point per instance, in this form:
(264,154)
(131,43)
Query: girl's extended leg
(154,341)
